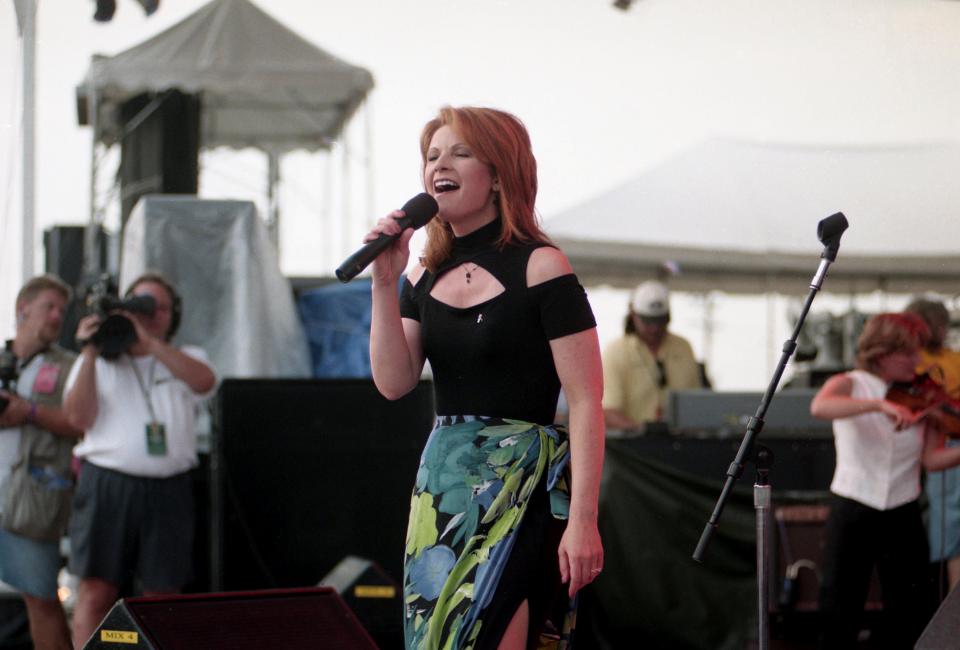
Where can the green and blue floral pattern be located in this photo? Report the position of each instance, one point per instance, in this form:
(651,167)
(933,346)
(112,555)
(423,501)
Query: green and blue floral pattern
(475,479)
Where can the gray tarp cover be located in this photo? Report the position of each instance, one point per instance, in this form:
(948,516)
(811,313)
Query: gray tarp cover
(237,305)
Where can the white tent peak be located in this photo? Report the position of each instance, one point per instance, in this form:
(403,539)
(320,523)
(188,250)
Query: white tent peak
(743,215)
(261,84)
(219,36)
(762,197)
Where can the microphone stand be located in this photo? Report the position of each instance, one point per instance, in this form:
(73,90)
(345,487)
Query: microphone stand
(761,504)
(829,231)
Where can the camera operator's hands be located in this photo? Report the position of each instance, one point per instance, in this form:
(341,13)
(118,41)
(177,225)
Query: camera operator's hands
(147,341)
(16,412)
(86,328)
(196,374)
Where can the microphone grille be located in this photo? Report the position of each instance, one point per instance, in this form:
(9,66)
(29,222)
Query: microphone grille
(420,209)
(831,227)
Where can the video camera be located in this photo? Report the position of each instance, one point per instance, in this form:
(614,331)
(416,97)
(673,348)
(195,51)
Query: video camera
(8,373)
(116,333)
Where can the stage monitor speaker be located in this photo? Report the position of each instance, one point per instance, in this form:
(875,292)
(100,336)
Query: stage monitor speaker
(65,248)
(943,630)
(797,560)
(374,597)
(308,471)
(64,252)
(160,154)
(292,619)
(798,556)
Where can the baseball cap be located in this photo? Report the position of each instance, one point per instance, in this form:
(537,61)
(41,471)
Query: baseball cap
(651,299)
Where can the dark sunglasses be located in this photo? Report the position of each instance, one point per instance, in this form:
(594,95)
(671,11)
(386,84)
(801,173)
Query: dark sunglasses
(655,320)
(662,371)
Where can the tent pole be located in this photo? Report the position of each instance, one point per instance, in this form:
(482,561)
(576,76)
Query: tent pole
(708,328)
(326,221)
(91,243)
(368,158)
(345,202)
(770,300)
(273,203)
(27,18)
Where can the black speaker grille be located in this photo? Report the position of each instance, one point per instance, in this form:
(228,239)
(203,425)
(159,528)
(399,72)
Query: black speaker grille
(290,619)
(307,472)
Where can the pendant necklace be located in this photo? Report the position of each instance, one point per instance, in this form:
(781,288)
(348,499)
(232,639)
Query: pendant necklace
(470,271)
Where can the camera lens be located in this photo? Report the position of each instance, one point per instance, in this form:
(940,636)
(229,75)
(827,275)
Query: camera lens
(115,336)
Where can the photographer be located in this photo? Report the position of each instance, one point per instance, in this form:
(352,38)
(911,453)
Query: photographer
(133,510)
(35,450)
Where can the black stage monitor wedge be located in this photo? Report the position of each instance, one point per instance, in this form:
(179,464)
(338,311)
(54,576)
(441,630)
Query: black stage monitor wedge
(374,597)
(943,630)
(292,619)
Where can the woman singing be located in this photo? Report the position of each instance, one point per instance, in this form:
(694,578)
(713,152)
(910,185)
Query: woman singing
(874,514)
(504,509)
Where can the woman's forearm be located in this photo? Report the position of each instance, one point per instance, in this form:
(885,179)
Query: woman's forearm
(394,370)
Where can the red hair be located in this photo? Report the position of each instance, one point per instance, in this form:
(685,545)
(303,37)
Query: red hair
(500,140)
(890,333)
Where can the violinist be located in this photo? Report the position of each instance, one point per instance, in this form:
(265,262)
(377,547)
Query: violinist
(943,488)
(875,518)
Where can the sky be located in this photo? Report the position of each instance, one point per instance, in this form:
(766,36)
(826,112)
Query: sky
(605,93)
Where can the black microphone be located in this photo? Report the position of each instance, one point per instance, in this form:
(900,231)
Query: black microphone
(417,212)
(829,231)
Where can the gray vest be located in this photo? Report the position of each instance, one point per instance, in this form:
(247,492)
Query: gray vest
(40,488)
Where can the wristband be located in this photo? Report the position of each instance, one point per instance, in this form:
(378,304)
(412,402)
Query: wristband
(32,415)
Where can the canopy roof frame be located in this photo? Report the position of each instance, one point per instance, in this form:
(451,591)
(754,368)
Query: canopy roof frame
(260,85)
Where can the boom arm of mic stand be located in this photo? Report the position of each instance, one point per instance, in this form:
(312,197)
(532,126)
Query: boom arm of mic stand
(756,422)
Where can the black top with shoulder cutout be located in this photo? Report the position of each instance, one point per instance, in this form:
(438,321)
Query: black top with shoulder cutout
(494,359)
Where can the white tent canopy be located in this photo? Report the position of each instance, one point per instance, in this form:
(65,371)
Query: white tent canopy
(261,85)
(742,217)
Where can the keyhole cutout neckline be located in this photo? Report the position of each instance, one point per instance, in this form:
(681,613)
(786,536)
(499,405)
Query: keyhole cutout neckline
(480,287)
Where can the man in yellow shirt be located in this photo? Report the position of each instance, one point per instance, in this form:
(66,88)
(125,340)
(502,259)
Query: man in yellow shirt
(943,488)
(645,363)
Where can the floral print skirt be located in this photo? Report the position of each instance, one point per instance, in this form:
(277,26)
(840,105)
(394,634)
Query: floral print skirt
(475,480)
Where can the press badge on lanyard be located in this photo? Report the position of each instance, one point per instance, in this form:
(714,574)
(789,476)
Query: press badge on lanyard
(155,430)
(156,439)
(46,381)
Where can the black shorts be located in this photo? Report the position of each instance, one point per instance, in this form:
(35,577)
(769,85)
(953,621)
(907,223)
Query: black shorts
(127,526)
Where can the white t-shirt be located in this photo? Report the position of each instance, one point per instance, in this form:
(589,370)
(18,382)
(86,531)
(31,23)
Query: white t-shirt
(10,437)
(118,438)
(876,465)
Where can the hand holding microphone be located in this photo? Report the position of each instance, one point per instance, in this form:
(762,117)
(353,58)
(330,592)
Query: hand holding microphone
(415,213)
(387,267)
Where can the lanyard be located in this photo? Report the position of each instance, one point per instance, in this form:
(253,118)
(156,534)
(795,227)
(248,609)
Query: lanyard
(145,389)
(21,365)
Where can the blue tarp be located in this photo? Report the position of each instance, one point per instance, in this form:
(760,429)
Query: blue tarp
(336,318)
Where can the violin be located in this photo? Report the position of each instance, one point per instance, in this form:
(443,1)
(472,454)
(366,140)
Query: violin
(927,398)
